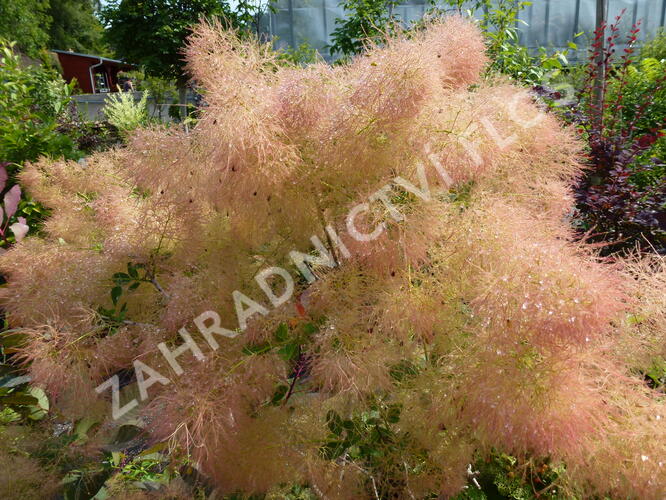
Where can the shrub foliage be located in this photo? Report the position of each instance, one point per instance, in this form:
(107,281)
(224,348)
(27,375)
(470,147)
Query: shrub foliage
(467,320)
(623,196)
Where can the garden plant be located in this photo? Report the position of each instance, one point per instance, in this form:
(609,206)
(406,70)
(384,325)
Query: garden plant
(622,197)
(351,281)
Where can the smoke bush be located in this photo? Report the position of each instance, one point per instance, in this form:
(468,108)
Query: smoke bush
(469,320)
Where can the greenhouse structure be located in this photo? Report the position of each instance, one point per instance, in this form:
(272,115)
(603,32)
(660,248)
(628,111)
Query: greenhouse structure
(545,23)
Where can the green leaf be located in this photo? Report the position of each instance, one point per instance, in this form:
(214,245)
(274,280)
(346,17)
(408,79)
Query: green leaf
(154,451)
(131,270)
(403,370)
(121,278)
(289,351)
(126,433)
(279,394)
(116,292)
(393,415)
(9,338)
(42,407)
(105,312)
(282,332)
(71,477)
(82,428)
(334,422)
(11,381)
(102,494)
(18,399)
(309,329)
(354,452)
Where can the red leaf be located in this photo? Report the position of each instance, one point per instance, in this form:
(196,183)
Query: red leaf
(3,177)
(12,198)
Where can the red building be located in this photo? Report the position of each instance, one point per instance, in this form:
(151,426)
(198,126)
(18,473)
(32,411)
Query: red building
(93,74)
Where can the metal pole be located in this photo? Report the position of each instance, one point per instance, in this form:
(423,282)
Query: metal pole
(291,24)
(599,80)
(576,18)
(547,26)
(530,30)
(325,26)
(663,13)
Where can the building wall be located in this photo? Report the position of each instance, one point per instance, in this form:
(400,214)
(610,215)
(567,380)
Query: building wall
(78,66)
(92,106)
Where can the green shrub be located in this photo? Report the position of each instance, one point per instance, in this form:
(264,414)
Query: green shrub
(302,55)
(644,83)
(125,113)
(31,99)
(643,113)
(656,48)
(499,24)
(368,21)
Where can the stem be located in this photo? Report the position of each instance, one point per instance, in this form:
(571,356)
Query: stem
(136,323)
(159,288)
(301,367)
(322,220)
